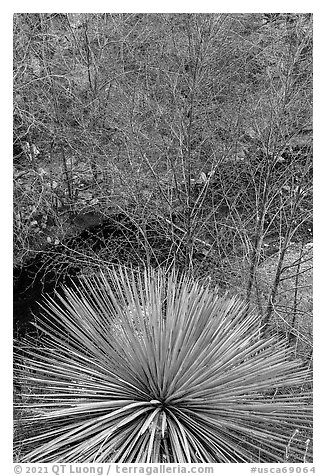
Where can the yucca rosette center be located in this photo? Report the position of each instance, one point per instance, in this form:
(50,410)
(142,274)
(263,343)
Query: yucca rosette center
(150,366)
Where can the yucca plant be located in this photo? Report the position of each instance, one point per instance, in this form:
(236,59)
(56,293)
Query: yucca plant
(148,366)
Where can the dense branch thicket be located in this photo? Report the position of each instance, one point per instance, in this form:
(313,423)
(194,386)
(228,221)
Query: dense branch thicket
(199,124)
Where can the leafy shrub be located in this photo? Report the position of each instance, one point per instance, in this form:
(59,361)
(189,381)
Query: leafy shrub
(148,366)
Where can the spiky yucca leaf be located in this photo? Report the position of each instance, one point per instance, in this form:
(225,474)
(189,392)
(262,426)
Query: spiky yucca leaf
(148,367)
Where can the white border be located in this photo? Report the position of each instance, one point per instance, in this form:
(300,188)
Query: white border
(319,11)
